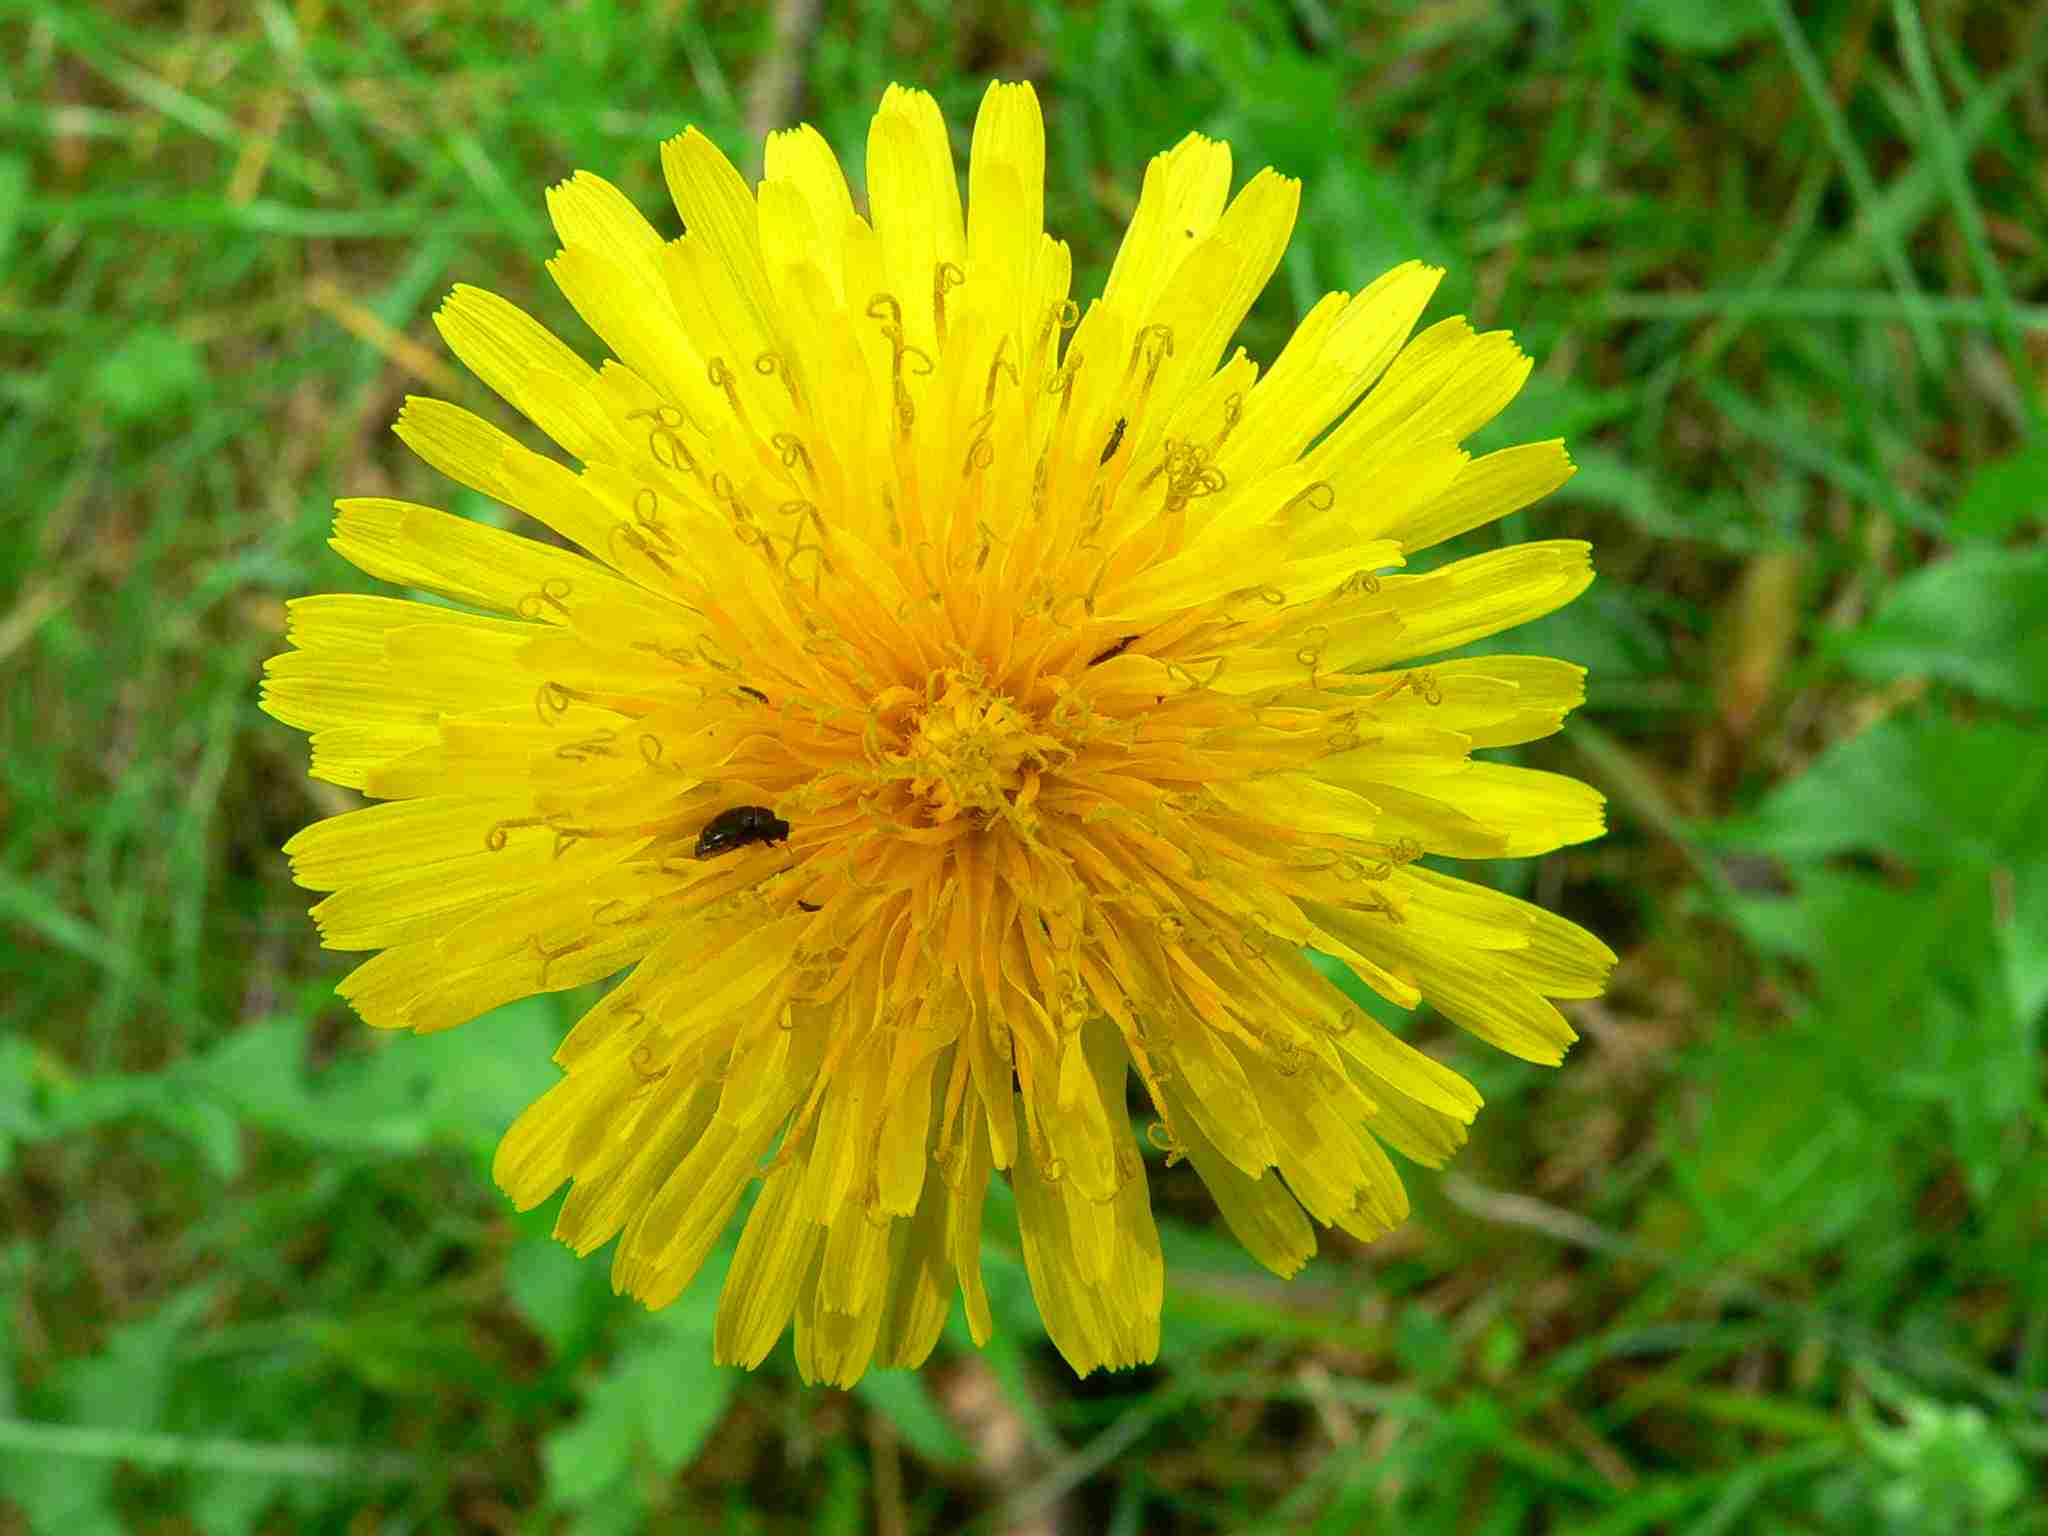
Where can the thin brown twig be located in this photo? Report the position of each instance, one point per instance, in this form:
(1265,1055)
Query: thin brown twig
(774,96)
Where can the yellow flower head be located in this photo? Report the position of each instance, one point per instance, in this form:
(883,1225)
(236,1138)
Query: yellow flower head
(959,703)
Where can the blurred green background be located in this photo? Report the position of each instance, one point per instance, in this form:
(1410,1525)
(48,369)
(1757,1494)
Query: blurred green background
(1766,1255)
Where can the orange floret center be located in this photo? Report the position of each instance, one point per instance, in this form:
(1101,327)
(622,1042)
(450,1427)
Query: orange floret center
(968,749)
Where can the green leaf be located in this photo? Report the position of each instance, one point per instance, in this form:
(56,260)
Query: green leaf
(901,1398)
(153,370)
(229,1503)
(844,1508)
(564,1298)
(662,1398)
(1425,1346)
(1701,26)
(462,1085)
(616,1516)
(1927,962)
(18,1118)
(1364,221)
(1607,479)
(586,1457)
(2022,921)
(13,193)
(62,1494)
(130,1383)
(2005,495)
(1979,620)
(1551,405)
(398,1349)
(1944,962)
(1611,629)
(1922,789)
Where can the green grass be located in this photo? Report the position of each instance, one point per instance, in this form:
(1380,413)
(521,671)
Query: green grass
(1764,1256)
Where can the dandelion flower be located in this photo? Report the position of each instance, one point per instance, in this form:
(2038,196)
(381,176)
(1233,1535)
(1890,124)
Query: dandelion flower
(958,709)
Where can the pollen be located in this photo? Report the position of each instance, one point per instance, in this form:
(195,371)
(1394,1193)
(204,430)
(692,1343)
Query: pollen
(970,751)
(959,708)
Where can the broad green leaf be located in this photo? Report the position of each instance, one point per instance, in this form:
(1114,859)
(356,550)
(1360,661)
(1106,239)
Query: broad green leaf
(1363,221)
(1425,1346)
(14,180)
(18,1118)
(1924,789)
(1979,620)
(2022,919)
(1701,26)
(399,1348)
(587,1456)
(2005,495)
(1607,479)
(131,1383)
(62,1494)
(229,1503)
(1553,405)
(563,1298)
(902,1398)
(623,1514)
(1842,924)
(661,1399)
(1285,120)
(154,370)
(1913,1004)
(843,1510)
(464,1085)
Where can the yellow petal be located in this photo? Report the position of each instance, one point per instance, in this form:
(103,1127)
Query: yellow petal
(468,449)
(1336,353)
(1533,811)
(1114,1322)
(1487,488)
(1006,200)
(1259,1211)
(969,1189)
(592,214)
(800,160)
(832,1347)
(452,556)
(514,353)
(1447,381)
(920,1287)
(1182,198)
(914,200)
(719,218)
(637,322)
(1549,953)
(1213,286)
(776,1251)
(1471,599)
(390,839)
(665,1245)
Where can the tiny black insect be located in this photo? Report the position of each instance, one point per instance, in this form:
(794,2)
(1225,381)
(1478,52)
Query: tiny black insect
(1114,650)
(754,693)
(808,906)
(1116,436)
(736,828)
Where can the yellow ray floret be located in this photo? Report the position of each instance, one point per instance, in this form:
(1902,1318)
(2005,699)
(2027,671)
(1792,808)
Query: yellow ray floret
(946,707)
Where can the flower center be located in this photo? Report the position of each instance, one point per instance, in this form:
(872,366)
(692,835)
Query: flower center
(973,751)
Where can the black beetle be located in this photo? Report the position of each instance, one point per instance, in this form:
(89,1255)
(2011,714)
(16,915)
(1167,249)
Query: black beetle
(736,828)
